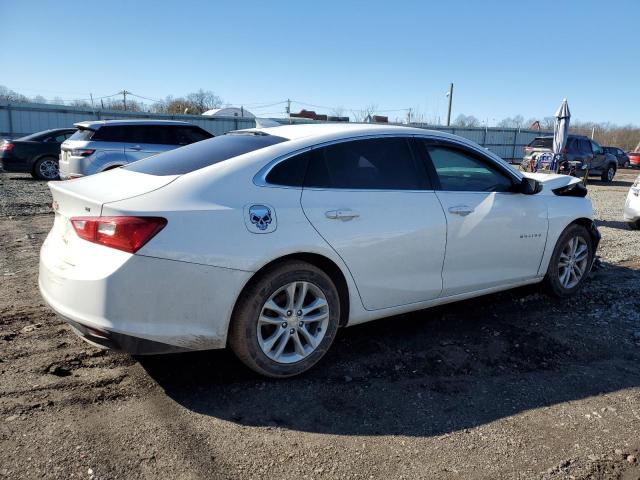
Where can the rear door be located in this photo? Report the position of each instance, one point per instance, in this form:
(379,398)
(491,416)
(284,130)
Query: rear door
(145,140)
(371,200)
(494,236)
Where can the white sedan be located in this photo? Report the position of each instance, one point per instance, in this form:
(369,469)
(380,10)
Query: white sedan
(268,240)
(631,212)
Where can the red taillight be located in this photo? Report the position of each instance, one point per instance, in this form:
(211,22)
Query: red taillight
(81,152)
(6,147)
(123,233)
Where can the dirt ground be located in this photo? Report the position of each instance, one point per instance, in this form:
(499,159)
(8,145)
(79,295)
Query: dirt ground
(514,385)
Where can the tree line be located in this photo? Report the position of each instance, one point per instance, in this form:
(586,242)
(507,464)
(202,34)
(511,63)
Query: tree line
(626,137)
(194,103)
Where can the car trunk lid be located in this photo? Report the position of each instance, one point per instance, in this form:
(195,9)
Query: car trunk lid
(86,196)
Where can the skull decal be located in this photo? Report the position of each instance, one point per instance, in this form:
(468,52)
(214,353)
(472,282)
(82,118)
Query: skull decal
(260,216)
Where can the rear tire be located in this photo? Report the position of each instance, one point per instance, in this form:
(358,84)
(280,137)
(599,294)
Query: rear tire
(626,164)
(46,168)
(608,174)
(285,321)
(570,262)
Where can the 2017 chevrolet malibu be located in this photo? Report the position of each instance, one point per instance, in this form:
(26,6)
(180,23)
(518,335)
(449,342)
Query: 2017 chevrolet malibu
(631,211)
(268,240)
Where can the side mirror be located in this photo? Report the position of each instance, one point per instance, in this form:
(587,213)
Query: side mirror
(530,186)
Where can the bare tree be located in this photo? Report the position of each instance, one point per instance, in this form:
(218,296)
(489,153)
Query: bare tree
(203,100)
(338,111)
(512,122)
(8,95)
(39,99)
(466,121)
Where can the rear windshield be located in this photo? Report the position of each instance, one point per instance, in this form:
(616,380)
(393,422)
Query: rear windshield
(202,154)
(82,134)
(546,142)
(33,136)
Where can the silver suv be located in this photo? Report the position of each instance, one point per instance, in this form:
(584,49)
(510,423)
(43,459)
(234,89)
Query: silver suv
(101,145)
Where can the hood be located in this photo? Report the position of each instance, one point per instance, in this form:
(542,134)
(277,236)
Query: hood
(551,181)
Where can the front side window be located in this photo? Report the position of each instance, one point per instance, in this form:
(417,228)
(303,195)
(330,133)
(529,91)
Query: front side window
(459,170)
(369,164)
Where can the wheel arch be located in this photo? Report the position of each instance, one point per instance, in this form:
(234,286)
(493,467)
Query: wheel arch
(36,158)
(322,262)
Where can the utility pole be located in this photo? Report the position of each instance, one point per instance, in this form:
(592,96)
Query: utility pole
(409,117)
(450,95)
(289,109)
(124,98)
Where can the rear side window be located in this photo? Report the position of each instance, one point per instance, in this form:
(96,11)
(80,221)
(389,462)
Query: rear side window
(110,134)
(290,172)
(584,145)
(202,154)
(542,142)
(370,164)
(82,134)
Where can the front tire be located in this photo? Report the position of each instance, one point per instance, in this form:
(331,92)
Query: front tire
(608,174)
(46,168)
(285,321)
(571,262)
(634,225)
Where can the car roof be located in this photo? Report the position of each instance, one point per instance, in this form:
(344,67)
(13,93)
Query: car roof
(572,135)
(95,124)
(329,131)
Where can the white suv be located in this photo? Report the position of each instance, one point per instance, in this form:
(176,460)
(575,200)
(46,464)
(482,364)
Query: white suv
(102,145)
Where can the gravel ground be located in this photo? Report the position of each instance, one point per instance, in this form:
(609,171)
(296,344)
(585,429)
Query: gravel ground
(514,385)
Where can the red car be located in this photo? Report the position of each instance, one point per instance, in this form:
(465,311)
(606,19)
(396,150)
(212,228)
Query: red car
(634,158)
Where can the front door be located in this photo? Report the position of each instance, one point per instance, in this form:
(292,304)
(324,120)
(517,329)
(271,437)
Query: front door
(494,236)
(370,199)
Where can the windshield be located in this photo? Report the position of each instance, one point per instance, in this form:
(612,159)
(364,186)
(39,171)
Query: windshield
(542,142)
(202,154)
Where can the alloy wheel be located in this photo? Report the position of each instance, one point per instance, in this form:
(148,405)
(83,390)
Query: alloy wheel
(572,264)
(611,173)
(293,322)
(48,169)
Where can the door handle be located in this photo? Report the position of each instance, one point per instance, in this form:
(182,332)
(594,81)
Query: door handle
(137,148)
(344,214)
(462,210)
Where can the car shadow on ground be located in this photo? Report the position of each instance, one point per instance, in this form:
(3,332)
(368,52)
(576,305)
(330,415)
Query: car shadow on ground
(613,183)
(429,372)
(613,224)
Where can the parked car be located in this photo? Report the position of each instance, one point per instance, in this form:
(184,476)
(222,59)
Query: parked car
(631,212)
(621,156)
(586,154)
(102,145)
(36,154)
(270,239)
(634,158)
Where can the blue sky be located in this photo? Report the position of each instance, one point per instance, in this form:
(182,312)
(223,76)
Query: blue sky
(505,58)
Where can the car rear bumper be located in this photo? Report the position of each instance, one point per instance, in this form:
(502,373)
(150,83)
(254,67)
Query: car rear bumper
(12,164)
(631,212)
(141,304)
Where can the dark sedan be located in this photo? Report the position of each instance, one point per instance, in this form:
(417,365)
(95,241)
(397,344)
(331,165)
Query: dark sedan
(623,159)
(36,154)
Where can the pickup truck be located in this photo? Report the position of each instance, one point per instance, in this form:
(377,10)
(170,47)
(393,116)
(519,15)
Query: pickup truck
(586,154)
